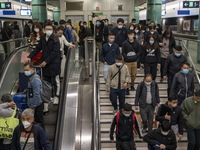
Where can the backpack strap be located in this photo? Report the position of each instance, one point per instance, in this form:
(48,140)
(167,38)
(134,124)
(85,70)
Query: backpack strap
(117,121)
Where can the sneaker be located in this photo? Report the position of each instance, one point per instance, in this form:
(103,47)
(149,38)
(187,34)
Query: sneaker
(132,88)
(127,91)
(114,112)
(55,100)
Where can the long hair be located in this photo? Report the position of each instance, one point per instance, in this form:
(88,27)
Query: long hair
(34,34)
(167,31)
(154,45)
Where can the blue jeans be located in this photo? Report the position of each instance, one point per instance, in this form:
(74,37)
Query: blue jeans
(120,93)
(105,73)
(193,136)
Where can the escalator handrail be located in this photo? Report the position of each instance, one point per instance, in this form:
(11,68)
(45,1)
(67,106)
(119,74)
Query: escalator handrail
(190,58)
(7,61)
(12,40)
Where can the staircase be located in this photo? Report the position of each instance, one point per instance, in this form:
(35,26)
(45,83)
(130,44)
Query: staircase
(106,111)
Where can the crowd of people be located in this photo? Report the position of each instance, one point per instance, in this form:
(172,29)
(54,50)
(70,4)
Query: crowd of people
(123,50)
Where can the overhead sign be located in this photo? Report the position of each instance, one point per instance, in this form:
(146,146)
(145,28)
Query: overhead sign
(9,12)
(25,12)
(191,4)
(183,12)
(5,5)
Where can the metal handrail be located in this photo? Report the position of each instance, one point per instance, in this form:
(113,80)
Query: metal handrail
(190,58)
(12,40)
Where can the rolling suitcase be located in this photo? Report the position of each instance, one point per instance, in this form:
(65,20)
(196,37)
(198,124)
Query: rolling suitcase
(20,101)
(23,81)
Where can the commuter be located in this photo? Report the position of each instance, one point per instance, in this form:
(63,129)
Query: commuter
(162,138)
(99,35)
(29,135)
(55,25)
(82,35)
(6,35)
(120,32)
(147,98)
(28,28)
(75,36)
(51,56)
(88,30)
(144,33)
(131,27)
(125,123)
(117,81)
(173,65)
(190,109)
(131,50)
(148,22)
(152,31)
(171,112)
(167,44)
(17,35)
(133,21)
(139,36)
(109,51)
(92,27)
(183,84)
(106,30)
(34,91)
(159,29)
(67,33)
(150,59)
(34,38)
(6,111)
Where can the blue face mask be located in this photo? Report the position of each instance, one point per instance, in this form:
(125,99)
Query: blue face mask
(177,54)
(85,26)
(120,26)
(27,73)
(185,71)
(111,40)
(127,115)
(151,42)
(98,23)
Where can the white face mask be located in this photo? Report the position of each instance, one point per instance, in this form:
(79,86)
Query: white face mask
(26,124)
(152,32)
(37,30)
(136,31)
(164,133)
(118,64)
(131,37)
(48,32)
(148,83)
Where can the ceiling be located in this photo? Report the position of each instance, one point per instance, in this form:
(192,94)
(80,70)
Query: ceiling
(55,3)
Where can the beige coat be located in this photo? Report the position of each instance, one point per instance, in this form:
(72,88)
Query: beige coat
(125,76)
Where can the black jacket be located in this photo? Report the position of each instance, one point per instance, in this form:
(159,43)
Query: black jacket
(99,33)
(50,54)
(125,128)
(141,94)
(183,85)
(150,56)
(175,113)
(120,35)
(131,51)
(169,140)
(106,30)
(173,64)
(172,44)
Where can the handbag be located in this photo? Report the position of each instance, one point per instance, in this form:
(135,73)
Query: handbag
(24,56)
(8,125)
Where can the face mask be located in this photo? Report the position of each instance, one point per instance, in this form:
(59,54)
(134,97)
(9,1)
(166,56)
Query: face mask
(118,64)
(152,32)
(148,83)
(48,32)
(98,23)
(185,71)
(177,54)
(127,115)
(120,26)
(36,29)
(27,73)
(164,133)
(131,28)
(174,105)
(85,26)
(136,31)
(105,23)
(26,124)
(111,40)
(151,42)
(143,31)
(130,37)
